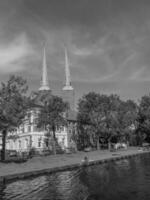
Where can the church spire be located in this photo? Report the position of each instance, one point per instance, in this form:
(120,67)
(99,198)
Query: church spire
(67,73)
(44,81)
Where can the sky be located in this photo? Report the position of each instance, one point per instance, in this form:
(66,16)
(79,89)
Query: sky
(108,43)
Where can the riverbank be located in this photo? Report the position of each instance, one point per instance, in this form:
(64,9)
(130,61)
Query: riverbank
(49,164)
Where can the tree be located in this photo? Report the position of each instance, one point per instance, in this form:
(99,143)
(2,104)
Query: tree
(143,120)
(13,105)
(101,118)
(94,113)
(52,116)
(126,117)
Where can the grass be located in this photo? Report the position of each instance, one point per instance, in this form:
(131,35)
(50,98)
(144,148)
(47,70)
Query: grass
(48,162)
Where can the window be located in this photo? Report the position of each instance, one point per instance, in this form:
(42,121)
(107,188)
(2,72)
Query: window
(35,128)
(26,143)
(62,128)
(29,117)
(29,128)
(35,120)
(39,142)
(22,129)
(58,129)
(46,142)
(63,140)
(19,144)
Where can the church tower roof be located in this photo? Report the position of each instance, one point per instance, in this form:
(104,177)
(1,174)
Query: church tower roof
(68,85)
(44,81)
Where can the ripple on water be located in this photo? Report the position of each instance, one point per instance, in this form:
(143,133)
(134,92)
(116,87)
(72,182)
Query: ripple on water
(123,179)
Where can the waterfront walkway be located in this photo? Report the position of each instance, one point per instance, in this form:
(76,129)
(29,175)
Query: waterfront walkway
(48,164)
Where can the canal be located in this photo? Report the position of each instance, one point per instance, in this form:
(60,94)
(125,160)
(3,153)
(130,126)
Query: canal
(125,179)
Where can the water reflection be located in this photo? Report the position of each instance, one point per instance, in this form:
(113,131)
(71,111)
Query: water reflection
(123,179)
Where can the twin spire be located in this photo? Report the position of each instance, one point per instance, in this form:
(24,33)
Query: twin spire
(44,81)
(67,73)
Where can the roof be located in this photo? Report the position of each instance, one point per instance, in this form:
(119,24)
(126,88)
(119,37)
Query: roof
(38,97)
(72,115)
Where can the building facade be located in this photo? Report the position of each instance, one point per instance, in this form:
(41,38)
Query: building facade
(29,136)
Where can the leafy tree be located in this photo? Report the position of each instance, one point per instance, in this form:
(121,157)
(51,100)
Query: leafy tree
(103,118)
(143,120)
(87,117)
(13,105)
(94,115)
(121,117)
(127,115)
(52,115)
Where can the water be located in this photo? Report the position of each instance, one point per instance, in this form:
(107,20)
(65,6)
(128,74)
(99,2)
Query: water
(126,179)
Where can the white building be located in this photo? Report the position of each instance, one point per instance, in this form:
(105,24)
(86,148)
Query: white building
(28,135)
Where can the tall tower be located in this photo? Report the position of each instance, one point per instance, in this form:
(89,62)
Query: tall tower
(44,81)
(68,90)
(67,73)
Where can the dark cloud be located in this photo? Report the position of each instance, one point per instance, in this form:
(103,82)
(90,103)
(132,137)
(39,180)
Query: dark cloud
(108,42)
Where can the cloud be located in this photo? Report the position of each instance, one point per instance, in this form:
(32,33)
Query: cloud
(137,74)
(14,55)
(87,51)
(108,41)
(83,52)
(113,58)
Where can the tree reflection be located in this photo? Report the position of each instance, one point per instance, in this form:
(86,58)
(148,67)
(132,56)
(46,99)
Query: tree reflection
(95,180)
